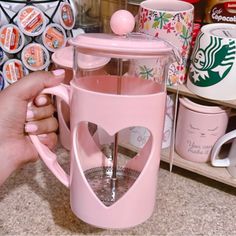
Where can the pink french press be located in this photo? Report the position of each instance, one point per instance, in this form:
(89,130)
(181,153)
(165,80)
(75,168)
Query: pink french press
(117,192)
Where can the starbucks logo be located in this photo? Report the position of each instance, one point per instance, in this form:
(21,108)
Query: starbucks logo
(211,64)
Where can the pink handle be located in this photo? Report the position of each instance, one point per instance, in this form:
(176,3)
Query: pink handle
(65,141)
(48,156)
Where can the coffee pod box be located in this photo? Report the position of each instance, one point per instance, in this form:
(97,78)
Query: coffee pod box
(212,71)
(220,11)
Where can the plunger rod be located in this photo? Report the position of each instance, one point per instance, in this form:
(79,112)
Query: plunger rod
(115,159)
(116,138)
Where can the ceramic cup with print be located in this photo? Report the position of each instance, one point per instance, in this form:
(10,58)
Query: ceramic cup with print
(198,128)
(213,62)
(149,69)
(228,161)
(169,119)
(173,22)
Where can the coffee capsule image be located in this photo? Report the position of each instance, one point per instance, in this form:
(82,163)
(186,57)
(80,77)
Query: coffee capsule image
(12,39)
(35,57)
(54,37)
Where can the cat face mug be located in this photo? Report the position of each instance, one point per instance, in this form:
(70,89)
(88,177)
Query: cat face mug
(198,128)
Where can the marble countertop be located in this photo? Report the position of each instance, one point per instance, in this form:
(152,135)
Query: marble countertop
(34,202)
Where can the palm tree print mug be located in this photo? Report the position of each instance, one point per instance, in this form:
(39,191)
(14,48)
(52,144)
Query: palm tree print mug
(213,62)
(171,21)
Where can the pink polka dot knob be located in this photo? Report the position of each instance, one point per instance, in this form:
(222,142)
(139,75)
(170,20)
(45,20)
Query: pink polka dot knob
(122,22)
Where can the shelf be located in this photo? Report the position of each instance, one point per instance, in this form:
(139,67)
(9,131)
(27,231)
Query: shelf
(183,90)
(205,169)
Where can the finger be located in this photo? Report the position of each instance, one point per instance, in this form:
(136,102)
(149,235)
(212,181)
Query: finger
(50,140)
(31,85)
(42,100)
(39,113)
(44,126)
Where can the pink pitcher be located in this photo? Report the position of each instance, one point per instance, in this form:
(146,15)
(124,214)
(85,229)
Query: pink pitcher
(119,192)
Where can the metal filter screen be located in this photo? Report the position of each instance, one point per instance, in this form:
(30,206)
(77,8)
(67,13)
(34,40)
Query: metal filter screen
(100,180)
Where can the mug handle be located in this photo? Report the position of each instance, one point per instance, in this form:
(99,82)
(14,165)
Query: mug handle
(50,158)
(216,149)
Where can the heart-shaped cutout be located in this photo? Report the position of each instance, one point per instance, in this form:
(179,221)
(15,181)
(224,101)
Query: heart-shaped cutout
(109,166)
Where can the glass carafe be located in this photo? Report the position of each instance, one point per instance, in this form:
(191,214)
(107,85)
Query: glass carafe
(116,191)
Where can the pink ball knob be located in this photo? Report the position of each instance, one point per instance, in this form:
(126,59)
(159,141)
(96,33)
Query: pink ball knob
(122,22)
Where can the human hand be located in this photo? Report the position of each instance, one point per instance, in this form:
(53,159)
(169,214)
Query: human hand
(17,118)
(40,120)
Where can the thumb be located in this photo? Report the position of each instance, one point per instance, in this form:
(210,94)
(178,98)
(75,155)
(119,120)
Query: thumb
(31,85)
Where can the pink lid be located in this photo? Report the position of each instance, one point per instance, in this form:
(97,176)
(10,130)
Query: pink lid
(133,45)
(202,108)
(64,58)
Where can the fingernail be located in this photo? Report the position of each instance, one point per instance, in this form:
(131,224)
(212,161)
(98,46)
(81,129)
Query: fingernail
(41,101)
(30,104)
(42,136)
(58,72)
(29,114)
(29,128)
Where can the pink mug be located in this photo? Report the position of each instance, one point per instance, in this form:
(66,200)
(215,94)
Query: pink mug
(198,128)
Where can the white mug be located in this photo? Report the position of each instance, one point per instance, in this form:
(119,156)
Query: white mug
(230,160)
(213,62)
